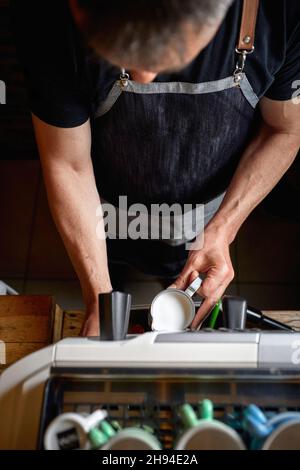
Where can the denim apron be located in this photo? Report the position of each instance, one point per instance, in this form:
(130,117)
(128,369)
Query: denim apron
(172,142)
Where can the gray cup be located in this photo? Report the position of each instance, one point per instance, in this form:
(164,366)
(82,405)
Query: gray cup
(114,313)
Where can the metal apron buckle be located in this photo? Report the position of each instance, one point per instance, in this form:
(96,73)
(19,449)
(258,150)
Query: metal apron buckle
(240,65)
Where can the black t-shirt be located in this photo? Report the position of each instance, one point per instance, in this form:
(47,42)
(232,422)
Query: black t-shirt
(66,82)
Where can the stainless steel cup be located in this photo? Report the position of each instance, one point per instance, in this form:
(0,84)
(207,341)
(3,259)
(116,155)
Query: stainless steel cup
(114,312)
(173,309)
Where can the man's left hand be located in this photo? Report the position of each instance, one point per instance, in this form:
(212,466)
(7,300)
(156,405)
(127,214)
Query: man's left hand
(213,261)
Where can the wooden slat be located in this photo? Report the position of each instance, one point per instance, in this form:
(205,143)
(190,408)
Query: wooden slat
(57,324)
(26,319)
(104,397)
(289,317)
(15,351)
(73,321)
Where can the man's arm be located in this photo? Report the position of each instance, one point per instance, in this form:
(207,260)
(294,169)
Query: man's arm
(264,162)
(73,200)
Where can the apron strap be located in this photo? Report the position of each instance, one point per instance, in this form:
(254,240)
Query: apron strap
(245,45)
(248,24)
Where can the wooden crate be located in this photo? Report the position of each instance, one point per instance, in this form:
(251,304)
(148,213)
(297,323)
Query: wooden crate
(28,323)
(72,323)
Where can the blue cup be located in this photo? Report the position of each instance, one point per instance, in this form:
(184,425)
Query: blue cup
(262,429)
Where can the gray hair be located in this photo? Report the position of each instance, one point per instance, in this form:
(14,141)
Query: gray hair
(210,11)
(142,30)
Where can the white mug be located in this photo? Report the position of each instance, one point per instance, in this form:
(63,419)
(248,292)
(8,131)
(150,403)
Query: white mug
(210,435)
(206,433)
(285,437)
(132,439)
(69,431)
(174,309)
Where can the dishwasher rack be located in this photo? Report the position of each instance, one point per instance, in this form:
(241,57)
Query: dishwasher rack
(153,398)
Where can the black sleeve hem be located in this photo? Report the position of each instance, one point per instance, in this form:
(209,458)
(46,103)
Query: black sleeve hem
(281,97)
(57,122)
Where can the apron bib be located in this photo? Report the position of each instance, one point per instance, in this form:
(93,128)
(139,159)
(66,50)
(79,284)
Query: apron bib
(171,142)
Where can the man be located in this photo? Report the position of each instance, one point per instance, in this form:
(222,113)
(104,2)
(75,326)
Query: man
(144,99)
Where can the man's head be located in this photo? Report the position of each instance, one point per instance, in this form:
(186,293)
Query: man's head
(148,37)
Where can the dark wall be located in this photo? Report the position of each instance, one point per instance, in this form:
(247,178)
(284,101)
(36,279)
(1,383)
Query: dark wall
(16,134)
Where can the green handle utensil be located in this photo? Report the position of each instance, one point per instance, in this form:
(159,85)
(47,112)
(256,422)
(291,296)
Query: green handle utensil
(214,315)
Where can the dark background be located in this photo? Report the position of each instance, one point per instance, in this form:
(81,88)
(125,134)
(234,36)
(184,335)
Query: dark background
(266,254)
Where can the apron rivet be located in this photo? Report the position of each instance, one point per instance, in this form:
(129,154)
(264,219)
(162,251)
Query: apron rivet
(238,77)
(247,39)
(124,82)
(124,77)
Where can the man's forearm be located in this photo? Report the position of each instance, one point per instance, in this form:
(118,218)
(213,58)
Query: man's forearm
(264,162)
(73,200)
(262,165)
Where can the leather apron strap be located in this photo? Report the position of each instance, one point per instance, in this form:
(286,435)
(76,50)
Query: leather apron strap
(245,44)
(248,24)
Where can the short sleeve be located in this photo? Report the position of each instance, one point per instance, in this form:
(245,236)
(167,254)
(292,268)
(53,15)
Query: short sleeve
(52,59)
(283,86)
(57,102)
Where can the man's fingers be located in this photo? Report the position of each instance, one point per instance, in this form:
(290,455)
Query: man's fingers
(184,280)
(215,278)
(207,306)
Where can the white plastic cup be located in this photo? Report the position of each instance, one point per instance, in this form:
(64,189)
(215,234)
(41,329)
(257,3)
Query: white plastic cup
(69,431)
(174,309)
(132,439)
